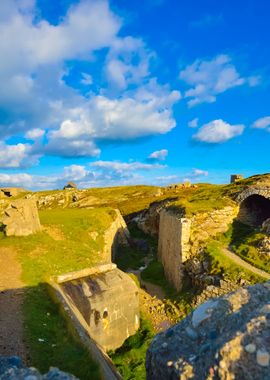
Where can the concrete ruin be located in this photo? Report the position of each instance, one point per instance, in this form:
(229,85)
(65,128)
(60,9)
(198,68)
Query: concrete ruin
(21,218)
(105,300)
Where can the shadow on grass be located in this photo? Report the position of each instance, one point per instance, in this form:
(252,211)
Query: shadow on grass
(52,341)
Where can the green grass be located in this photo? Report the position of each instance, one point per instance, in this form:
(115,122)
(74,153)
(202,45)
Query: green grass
(244,242)
(50,340)
(222,265)
(41,257)
(130,358)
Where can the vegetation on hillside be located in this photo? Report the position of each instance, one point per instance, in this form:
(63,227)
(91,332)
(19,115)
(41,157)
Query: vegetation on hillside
(64,245)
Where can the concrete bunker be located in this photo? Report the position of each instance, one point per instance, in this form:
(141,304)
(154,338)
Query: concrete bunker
(106,300)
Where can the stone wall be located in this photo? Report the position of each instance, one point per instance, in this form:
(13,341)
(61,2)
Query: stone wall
(181,238)
(173,245)
(208,224)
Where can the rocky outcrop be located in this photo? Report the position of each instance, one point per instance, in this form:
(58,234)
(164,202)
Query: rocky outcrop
(21,218)
(116,234)
(12,368)
(108,302)
(224,338)
(173,246)
(11,191)
(148,221)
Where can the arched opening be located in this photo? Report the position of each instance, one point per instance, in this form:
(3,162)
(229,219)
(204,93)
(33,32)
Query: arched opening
(254,210)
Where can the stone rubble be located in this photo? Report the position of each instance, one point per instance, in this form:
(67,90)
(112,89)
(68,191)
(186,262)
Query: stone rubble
(12,368)
(230,339)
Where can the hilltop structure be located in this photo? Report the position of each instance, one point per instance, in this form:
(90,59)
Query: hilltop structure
(70,185)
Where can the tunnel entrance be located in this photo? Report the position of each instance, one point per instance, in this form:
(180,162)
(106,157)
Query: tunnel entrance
(254,210)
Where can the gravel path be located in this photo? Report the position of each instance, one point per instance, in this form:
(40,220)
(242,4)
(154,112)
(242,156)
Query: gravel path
(11,299)
(245,264)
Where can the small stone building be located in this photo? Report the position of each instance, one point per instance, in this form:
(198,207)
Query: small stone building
(236,178)
(70,185)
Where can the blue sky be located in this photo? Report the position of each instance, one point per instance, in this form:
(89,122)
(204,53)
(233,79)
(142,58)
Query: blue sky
(121,92)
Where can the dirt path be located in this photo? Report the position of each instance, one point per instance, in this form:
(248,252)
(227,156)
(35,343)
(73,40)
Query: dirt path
(245,264)
(11,300)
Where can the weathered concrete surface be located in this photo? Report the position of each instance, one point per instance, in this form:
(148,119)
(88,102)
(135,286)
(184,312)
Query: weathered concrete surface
(224,338)
(21,218)
(173,245)
(109,304)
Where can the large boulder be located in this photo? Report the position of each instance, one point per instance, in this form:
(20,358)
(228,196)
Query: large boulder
(21,218)
(225,338)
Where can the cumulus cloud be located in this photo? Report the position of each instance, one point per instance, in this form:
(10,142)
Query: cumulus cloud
(144,112)
(75,172)
(17,156)
(262,123)
(127,62)
(35,134)
(212,77)
(193,123)
(36,97)
(218,131)
(158,155)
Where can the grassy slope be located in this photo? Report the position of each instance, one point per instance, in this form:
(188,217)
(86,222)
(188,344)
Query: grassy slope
(221,264)
(43,256)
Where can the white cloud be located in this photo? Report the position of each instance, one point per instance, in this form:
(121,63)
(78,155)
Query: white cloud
(16,156)
(198,173)
(75,172)
(218,131)
(146,112)
(210,78)
(87,79)
(36,97)
(158,155)
(262,123)
(193,123)
(127,62)
(35,134)
(118,166)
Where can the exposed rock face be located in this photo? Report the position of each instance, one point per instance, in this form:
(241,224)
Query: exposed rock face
(21,218)
(180,238)
(173,246)
(11,191)
(148,221)
(109,303)
(116,234)
(12,368)
(224,338)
